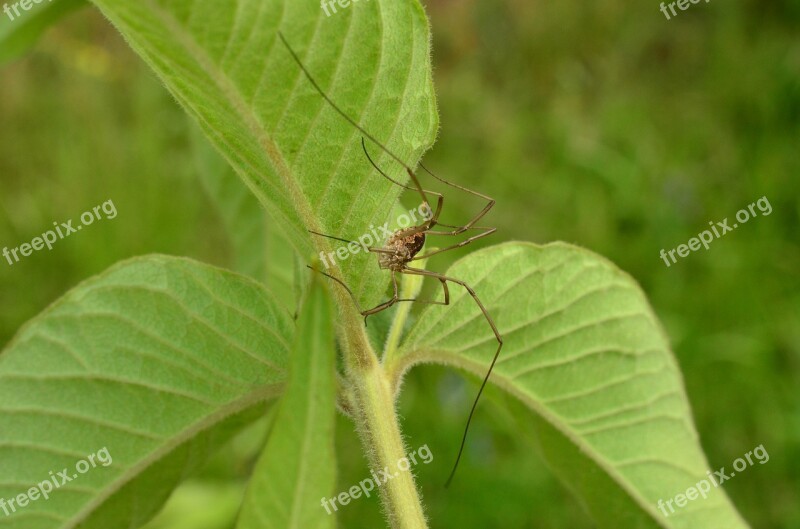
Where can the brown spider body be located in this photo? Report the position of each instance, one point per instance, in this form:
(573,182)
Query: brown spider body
(402,246)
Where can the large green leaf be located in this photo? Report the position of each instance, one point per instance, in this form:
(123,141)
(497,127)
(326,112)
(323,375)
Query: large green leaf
(260,247)
(297,467)
(585,354)
(224,62)
(159,360)
(19,33)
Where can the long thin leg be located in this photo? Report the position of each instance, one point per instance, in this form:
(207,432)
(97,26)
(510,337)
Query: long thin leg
(386,304)
(369,312)
(455,227)
(408,169)
(410,271)
(426,301)
(348,118)
(439,197)
(465,242)
(435,219)
(329,236)
(480,214)
(342,284)
(497,335)
(370,248)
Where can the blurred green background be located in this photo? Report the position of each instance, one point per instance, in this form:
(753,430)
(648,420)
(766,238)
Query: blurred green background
(597,123)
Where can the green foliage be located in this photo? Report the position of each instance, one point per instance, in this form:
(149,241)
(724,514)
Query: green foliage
(585,353)
(618,447)
(17,35)
(260,247)
(297,466)
(160,360)
(231,73)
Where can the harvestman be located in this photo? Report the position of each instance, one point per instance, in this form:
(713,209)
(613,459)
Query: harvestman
(403,245)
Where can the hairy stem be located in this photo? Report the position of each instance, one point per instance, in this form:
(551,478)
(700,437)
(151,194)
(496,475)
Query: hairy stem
(380,434)
(410,287)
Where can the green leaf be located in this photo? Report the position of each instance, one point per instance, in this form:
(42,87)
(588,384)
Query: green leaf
(260,248)
(198,505)
(17,35)
(225,64)
(586,355)
(297,467)
(159,360)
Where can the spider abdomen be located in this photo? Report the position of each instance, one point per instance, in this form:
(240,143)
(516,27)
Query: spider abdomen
(402,246)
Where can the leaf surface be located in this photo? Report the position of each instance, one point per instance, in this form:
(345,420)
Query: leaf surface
(223,61)
(297,467)
(159,360)
(584,353)
(260,247)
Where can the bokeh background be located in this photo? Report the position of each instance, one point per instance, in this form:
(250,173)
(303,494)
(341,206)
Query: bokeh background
(597,123)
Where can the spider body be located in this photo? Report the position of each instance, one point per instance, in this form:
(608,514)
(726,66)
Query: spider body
(401,247)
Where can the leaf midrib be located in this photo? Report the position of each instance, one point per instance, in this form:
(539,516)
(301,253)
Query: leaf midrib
(228,88)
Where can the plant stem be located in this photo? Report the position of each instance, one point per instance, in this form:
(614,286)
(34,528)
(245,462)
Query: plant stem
(410,288)
(380,434)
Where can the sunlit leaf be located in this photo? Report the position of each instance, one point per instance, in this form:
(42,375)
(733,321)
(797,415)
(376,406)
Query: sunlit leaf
(260,247)
(159,360)
(586,355)
(297,467)
(223,61)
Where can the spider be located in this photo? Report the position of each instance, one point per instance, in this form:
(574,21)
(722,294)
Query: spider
(403,246)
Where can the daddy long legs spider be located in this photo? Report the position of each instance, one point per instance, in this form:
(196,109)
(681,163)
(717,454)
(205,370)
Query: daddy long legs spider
(403,246)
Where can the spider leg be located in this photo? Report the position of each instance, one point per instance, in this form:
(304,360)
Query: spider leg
(481,213)
(368,312)
(385,149)
(465,242)
(329,236)
(497,335)
(457,227)
(434,220)
(369,248)
(386,304)
(439,197)
(350,120)
(412,271)
(342,284)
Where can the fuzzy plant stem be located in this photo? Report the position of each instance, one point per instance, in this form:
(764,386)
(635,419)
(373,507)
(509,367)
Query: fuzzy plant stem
(380,432)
